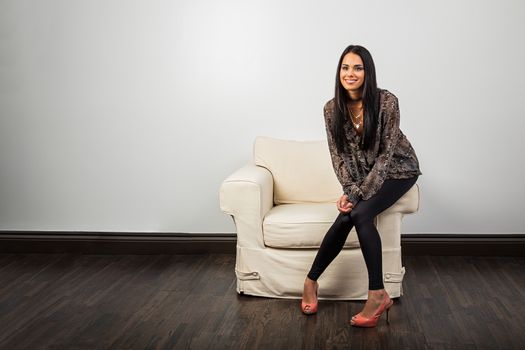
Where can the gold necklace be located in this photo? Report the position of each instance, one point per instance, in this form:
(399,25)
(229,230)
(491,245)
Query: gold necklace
(355,119)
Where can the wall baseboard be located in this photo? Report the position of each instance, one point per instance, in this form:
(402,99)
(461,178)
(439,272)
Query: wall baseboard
(207,243)
(116,242)
(463,244)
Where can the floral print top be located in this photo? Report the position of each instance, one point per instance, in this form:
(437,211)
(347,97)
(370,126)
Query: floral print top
(362,172)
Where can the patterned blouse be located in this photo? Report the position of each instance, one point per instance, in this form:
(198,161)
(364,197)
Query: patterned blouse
(362,172)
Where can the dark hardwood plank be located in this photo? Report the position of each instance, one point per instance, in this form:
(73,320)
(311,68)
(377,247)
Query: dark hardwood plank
(65,301)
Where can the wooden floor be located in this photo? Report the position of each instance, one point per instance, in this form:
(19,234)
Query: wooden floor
(189,302)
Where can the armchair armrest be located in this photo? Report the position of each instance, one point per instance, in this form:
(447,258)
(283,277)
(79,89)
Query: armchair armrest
(247,195)
(389,222)
(408,203)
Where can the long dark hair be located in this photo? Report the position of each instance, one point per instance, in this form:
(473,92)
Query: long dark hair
(370,98)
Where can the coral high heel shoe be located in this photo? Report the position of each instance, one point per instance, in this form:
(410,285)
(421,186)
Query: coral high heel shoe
(310,308)
(361,321)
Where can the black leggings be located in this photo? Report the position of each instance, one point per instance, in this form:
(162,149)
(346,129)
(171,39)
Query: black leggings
(362,216)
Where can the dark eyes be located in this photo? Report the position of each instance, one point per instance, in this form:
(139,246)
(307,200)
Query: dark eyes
(356,68)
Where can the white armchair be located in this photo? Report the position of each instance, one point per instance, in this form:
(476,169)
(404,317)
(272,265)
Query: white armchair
(282,206)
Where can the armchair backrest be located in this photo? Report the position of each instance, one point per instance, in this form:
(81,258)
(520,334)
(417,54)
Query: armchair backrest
(302,170)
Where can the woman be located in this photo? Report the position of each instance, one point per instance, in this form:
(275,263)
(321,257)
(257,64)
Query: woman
(375,165)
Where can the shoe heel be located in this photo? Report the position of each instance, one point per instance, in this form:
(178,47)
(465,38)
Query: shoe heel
(388,310)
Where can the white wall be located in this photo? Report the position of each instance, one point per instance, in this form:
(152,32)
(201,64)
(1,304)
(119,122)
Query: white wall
(127,115)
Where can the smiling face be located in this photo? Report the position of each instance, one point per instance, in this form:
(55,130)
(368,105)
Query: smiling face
(352,74)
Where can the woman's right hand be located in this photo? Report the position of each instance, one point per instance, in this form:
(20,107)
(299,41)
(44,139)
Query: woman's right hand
(344,205)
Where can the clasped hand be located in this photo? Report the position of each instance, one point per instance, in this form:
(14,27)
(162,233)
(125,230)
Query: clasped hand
(344,205)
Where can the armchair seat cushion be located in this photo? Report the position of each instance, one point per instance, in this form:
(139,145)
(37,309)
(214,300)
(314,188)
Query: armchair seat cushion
(301,226)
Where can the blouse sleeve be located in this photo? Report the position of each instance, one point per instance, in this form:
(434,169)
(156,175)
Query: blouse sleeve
(390,137)
(350,188)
